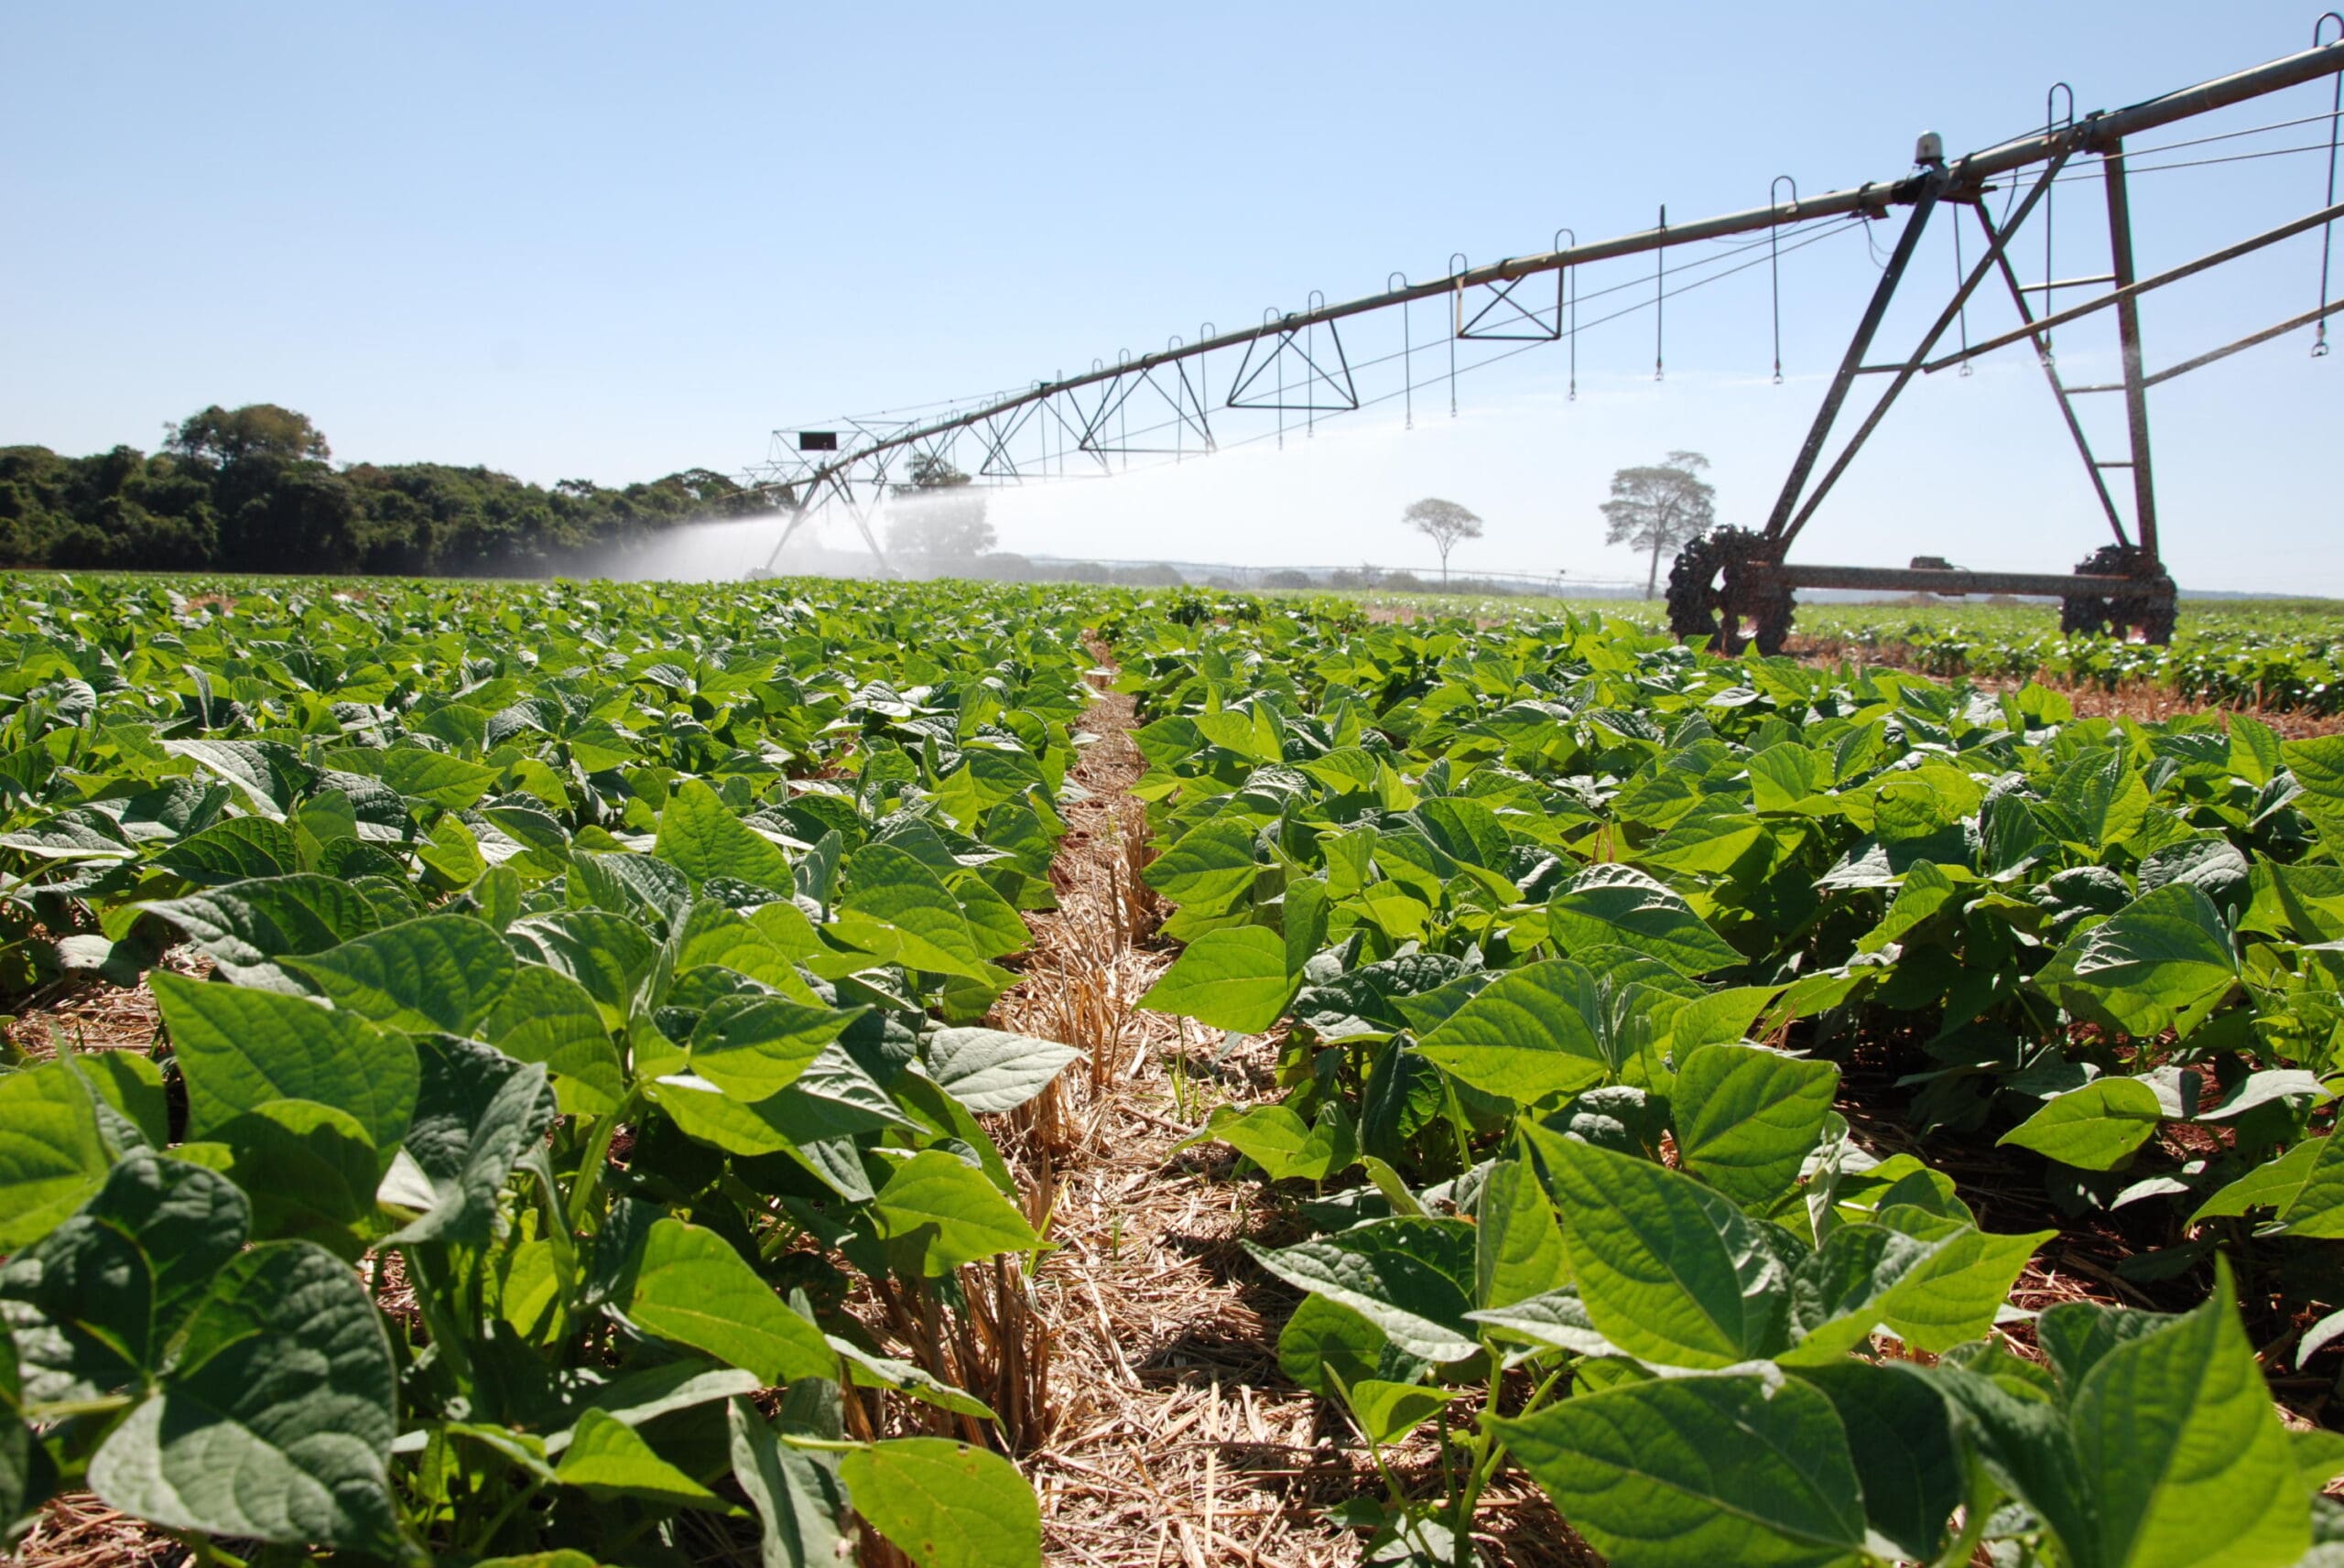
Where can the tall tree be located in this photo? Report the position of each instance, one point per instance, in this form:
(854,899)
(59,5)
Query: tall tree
(220,437)
(1659,509)
(1445,523)
(943,514)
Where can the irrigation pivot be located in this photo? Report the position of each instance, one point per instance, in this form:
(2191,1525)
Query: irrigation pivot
(1735,585)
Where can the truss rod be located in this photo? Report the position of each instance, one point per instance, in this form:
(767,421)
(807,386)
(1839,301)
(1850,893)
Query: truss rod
(2096,133)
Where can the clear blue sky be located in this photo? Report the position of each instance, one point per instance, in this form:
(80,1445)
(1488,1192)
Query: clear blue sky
(611,240)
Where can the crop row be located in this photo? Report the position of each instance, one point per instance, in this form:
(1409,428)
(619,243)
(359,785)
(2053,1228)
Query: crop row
(1571,938)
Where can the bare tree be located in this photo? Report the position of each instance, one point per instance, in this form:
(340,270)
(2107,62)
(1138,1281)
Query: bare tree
(1661,508)
(1445,523)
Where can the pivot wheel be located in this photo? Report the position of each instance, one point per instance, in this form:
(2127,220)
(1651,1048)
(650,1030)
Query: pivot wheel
(1713,593)
(2147,615)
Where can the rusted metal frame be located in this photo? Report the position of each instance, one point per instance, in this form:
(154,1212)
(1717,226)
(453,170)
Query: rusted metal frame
(2328,307)
(2290,71)
(1997,244)
(2126,292)
(2128,333)
(995,436)
(1933,185)
(2058,390)
(2057,585)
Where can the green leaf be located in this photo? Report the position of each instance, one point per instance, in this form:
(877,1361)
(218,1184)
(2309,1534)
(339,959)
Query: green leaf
(1410,1278)
(245,926)
(112,1284)
(1901,1437)
(690,1286)
(1557,1318)
(897,909)
(1234,977)
(946,1503)
(2161,962)
(1618,905)
(478,1112)
(2319,766)
(1747,1117)
(1525,1036)
(1274,1138)
(2095,1127)
(2184,1452)
(240,1049)
(800,1501)
(52,1155)
(1386,1413)
(607,1458)
(1694,1472)
(436,777)
(1518,1247)
(2315,1210)
(700,837)
(755,1047)
(543,1016)
(275,1423)
(1670,1271)
(442,973)
(1953,1296)
(1325,1344)
(311,1171)
(949,1212)
(990,1070)
(133,1085)
(1209,870)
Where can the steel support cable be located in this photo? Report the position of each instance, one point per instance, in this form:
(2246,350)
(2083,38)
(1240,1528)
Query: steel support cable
(1405,389)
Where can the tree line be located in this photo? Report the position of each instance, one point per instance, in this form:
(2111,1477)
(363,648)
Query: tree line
(254,488)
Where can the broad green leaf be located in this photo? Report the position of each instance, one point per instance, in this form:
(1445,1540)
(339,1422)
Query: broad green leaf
(1525,1036)
(110,1286)
(755,1047)
(896,908)
(2184,1453)
(1557,1318)
(434,776)
(1518,1247)
(946,1503)
(1952,1296)
(949,1212)
(690,1286)
(246,925)
(1618,905)
(700,836)
(132,1084)
(1325,1344)
(1410,1278)
(2315,1210)
(1209,870)
(2095,1127)
(1747,1117)
(607,1458)
(478,1112)
(275,1422)
(990,1070)
(2271,1184)
(442,973)
(798,1499)
(1235,978)
(544,1016)
(311,1171)
(1274,1138)
(2161,962)
(1670,1271)
(1901,1437)
(1386,1413)
(2319,766)
(240,1049)
(52,1155)
(1694,1472)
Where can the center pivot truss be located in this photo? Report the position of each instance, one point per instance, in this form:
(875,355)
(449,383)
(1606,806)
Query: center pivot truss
(1734,586)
